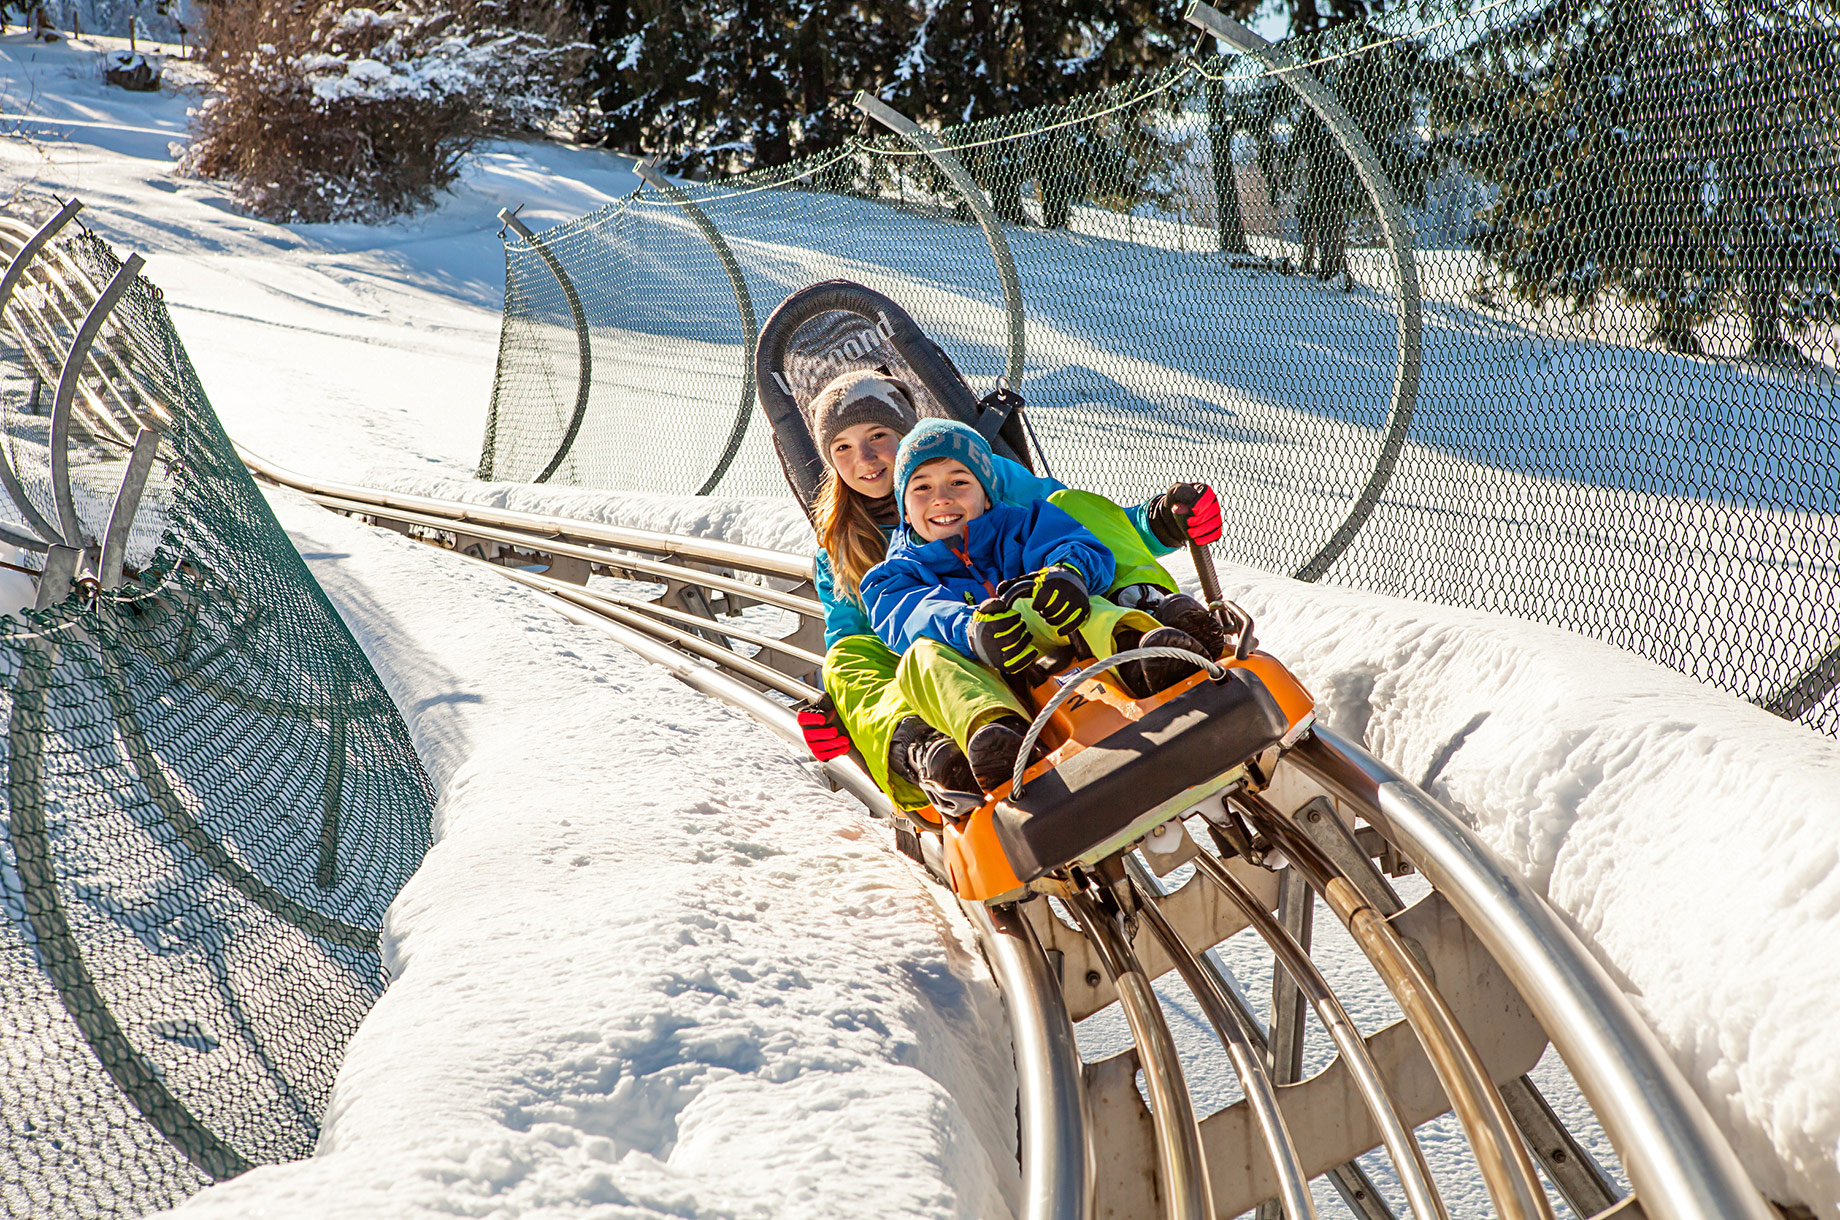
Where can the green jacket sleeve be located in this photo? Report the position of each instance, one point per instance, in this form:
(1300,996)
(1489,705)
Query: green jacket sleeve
(1140,517)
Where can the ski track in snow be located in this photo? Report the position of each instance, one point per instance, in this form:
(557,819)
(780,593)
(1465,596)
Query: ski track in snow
(651,968)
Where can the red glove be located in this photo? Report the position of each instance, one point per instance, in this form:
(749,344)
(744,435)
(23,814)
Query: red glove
(1187,512)
(824,733)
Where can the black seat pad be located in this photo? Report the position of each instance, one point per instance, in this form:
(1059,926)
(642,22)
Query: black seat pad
(1098,792)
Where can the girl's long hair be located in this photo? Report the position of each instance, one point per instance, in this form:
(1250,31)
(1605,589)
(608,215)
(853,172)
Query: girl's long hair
(848,531)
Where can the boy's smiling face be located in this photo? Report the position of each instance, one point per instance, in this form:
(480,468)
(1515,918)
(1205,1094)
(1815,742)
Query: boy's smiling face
(942,498)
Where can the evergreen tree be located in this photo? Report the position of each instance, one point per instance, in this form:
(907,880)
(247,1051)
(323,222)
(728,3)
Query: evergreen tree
(749,83)
(742,83)
(978,59)
(1772,151)
(1381,84)
(1683,155)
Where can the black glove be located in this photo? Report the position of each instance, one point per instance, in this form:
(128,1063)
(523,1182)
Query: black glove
(1000,638)
(1187,512)
(1060,598)
(824,733)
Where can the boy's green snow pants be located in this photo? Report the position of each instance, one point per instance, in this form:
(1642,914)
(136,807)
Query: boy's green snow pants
(958,696)
(860,670)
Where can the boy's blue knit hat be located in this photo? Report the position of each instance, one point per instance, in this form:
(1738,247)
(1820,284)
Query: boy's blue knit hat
(942,438)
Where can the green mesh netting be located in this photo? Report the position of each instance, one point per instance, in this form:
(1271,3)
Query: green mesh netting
(1621,218)
(210,802)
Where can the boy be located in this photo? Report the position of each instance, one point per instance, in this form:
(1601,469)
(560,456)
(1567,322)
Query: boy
(933,600)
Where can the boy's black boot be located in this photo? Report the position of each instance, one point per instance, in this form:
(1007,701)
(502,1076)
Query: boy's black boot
(943,766)
(993,750)
(1177,610)
(1143,678)
(921,755)
(1189,616)
(933,763)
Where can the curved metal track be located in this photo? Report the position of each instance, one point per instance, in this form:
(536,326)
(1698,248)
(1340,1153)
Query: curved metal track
(1485,974)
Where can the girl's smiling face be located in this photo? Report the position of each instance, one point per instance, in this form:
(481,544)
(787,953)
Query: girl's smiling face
(943,497)
(863,457)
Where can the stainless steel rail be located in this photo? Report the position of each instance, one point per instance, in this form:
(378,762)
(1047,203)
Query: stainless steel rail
(1680,1164)
(1507,1170)
(538,526)
(1248,1065)
(1408,1157)
(1181,1166)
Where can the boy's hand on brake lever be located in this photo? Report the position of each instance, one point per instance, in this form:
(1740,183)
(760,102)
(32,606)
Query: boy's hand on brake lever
(999,637)
(1060,598)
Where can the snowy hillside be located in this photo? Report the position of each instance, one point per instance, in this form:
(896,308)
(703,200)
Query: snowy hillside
(652,968)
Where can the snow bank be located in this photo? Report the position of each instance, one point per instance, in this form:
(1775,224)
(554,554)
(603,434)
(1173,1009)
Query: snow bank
(773,522)
(1690,838)
(650,967)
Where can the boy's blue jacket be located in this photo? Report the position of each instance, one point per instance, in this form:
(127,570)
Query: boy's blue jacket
(1017,485)
(929,589)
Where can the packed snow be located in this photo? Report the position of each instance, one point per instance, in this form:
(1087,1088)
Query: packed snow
(651,967)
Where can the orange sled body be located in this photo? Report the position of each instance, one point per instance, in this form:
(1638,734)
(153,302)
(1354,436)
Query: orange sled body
(1118,767)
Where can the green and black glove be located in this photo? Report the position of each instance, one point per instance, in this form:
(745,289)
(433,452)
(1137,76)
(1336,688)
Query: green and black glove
(999,637)
(1060,598)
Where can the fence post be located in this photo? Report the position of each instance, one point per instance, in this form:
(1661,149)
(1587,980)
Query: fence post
(127,504)
(71,528)
(584,347)
(743,302)
(961,178)
(15,272)
(1398,241)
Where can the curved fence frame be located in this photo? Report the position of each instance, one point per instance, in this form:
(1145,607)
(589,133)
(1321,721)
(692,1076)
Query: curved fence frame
(744,306)
(979,203)
(88,670)
(584,369)
(1398,243)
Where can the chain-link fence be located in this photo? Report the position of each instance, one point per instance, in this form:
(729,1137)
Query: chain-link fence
(1531,308)
(210,799)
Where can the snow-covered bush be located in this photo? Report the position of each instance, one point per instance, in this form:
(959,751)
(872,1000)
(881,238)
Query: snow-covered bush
(335,111)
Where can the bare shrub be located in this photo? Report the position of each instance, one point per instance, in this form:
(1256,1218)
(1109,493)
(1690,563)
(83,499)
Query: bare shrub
(334,111)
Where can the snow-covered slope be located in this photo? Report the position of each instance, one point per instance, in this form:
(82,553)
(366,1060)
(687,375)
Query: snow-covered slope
(736,1003)
(650,967)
